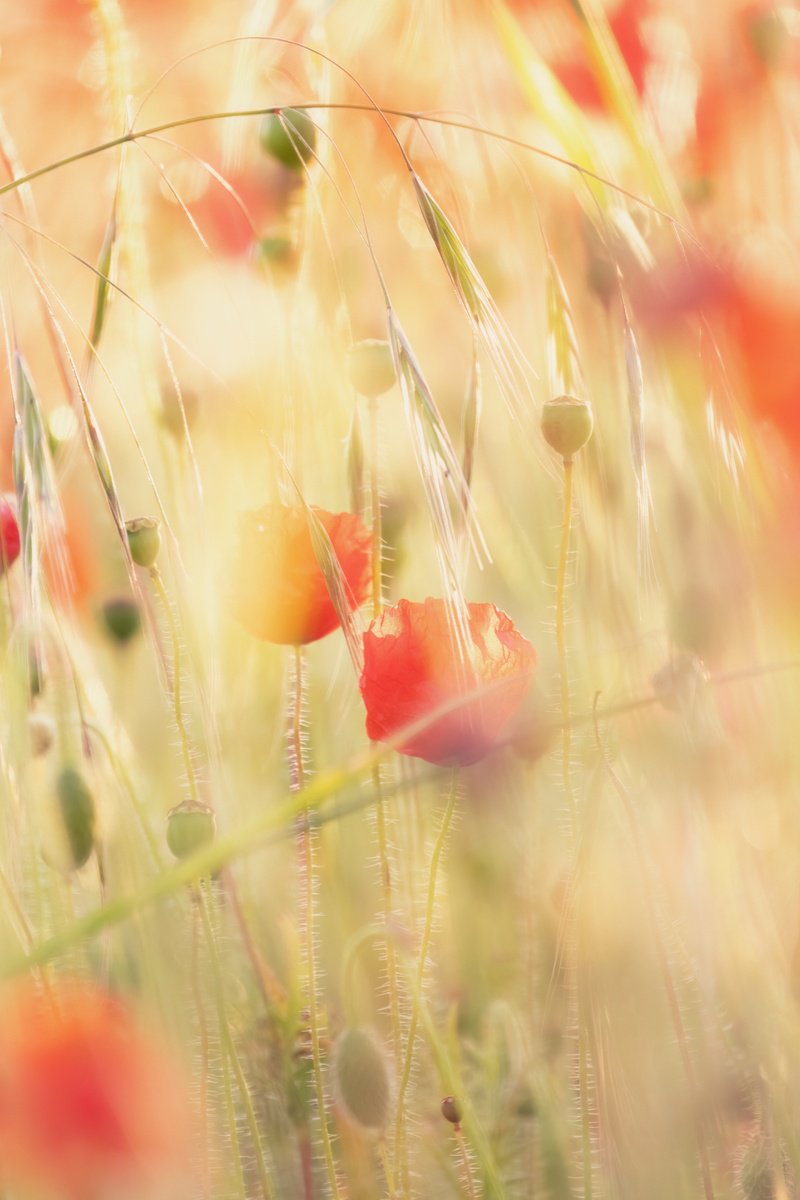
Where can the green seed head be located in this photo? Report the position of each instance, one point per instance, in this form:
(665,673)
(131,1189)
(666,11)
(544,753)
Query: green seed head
(289,136)
(371,368)
(144,540)
(190,826)
(451,1110)
(362,1079)
(567,424)
(78,814)
(121,619)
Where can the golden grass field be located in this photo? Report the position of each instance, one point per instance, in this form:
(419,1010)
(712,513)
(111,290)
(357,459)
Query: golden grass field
(399,594)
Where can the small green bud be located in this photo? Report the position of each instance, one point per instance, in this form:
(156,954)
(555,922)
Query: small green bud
(144,540)
(78,815)
(190,826)
(121,619)
(451,1110)
(567,424)
(362,1079)
(371,368)
(289,136)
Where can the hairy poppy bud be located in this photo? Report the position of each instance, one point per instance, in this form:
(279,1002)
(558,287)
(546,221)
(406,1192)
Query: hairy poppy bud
(77,808)
(362,1079)
(144,540)
(290,136)
(451,1110)
(567,424)
(190,826)
(371,368)
(122,619)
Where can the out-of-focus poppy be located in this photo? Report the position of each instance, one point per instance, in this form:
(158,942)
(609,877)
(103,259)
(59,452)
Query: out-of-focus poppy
(89,1106)
(557,22)
(279,593)
(9,536)
(412,666)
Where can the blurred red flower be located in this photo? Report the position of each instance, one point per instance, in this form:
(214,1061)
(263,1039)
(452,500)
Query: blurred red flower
(89,1106)
(279,593)
(9,536)
(412,667)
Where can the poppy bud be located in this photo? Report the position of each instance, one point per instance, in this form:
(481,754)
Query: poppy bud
(9,536)
(451,1110)
(371,368)
(362,1079)
(122,619)
(144,540)
(41,733)
(190,826)
(77,808)
(289,136)
(567,424)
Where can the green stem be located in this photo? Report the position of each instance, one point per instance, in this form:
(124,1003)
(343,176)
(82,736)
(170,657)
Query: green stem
(561,645)
(441,839)
(306,871)
(177,699)
(230,1050)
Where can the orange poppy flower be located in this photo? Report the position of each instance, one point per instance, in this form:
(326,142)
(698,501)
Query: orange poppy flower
(88,1106)
(9,536)
(279,592)
(412,667)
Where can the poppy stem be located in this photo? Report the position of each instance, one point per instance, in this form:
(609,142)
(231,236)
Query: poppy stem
(375,512)
(203,1039)
(230,1052)
(438,848)
(306,881)
(561,645)
(177,698)
(566,780)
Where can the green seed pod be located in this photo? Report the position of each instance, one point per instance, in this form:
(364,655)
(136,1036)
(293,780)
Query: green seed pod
(567,424)
(190,826)
(289,136)
(78,815)
(42,733)
(144,540)
(371,368)
(121,619)
(451,1110)
(362,1079)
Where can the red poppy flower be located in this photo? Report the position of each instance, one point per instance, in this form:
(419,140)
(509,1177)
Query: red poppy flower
(279,591)
(412,667)
(9,536)
(89,1108)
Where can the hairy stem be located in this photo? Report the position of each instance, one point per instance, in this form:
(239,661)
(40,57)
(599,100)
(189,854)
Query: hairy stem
(441,839)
